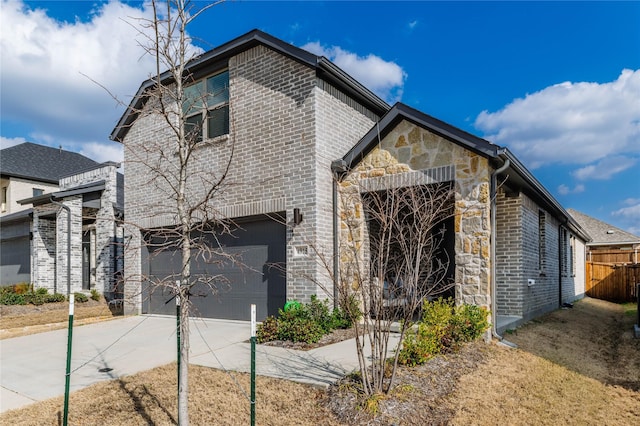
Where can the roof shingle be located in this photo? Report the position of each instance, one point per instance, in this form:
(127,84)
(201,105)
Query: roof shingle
(38,162)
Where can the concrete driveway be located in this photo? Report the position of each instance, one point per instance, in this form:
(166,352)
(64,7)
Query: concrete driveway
(32,367)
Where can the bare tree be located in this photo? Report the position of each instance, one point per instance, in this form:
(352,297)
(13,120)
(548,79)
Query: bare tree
(395,248)
(170,167)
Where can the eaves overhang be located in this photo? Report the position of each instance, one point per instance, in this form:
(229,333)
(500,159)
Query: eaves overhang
(218,59)
(57,196)
(518,177)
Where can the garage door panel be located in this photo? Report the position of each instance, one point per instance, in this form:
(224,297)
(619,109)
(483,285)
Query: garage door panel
(252,271)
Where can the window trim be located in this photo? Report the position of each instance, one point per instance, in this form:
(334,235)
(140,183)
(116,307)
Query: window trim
(199,106)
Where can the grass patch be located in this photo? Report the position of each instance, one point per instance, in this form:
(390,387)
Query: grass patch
(630,309)
(150,398)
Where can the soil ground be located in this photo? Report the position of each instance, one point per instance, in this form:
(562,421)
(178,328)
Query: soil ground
(575,366)
(21,320)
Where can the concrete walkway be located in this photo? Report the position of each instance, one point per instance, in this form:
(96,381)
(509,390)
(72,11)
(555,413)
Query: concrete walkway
(32,368)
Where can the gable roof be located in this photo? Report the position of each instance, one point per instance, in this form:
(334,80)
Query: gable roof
(601,232)
(518,177)
(401,112)
(42,163)
(218,57)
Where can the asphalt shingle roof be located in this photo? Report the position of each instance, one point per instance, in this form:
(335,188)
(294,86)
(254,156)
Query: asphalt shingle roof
(601,232)
(38,162)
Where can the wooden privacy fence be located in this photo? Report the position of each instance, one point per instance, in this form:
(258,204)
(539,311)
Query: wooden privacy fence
(612,282)
(613,256)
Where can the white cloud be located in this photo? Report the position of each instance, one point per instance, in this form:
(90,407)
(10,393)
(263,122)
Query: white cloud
(385,78)
(565,190)
(570,123)
(44,63)
(605,168)
(101,152)
(630,215)
(7,142)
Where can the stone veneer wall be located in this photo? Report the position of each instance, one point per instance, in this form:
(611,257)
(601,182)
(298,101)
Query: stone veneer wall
(410,148)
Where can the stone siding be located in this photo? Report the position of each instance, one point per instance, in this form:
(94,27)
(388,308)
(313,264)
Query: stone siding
(409,148)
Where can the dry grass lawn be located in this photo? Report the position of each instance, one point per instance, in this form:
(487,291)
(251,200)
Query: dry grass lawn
(578,366)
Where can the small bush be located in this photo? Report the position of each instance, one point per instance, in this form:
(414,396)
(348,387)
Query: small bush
(9,297)
(300,330)
(95,295)
(56,297)
(22,288)
(303,322)
(43,291)
(80,297)
(442,328)
(268,330)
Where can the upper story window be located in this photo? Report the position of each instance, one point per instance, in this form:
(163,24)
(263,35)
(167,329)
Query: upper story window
(206,107)
(37,192)
(3,199)
(542,242)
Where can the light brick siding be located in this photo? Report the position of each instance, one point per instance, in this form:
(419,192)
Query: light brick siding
(518,259)
(50,235)
(284,131)
(509,254)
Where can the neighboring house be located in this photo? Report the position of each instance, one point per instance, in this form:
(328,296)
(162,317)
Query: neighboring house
(36,241)
(29,170)
(291,117)
(608,243)
(612,267)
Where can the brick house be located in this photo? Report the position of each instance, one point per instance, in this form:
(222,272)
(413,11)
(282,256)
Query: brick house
(289,115)
(43,185)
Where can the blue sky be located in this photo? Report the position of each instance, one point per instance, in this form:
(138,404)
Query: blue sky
(557,83)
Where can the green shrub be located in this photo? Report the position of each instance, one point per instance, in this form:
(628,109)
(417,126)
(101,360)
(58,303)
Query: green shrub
(9,297)
(43,291)
(80,297)
(469,322)
(95,295)
(56,297)
(304,322)
(268,330)
(300,329)
(35,298)
(442,328)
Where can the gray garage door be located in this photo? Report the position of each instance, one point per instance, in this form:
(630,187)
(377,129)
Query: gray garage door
(15,262)
(257,277)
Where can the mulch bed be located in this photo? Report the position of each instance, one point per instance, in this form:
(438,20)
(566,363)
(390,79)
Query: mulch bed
(334,337)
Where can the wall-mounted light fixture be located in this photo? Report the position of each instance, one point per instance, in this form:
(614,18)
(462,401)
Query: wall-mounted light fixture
(297,216)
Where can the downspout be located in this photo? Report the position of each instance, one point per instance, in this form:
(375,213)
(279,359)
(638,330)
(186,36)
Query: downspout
(338,167)
(493,194)
(68,242)
(336,262)
(560,263)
